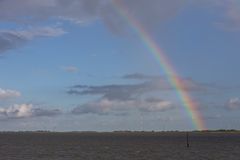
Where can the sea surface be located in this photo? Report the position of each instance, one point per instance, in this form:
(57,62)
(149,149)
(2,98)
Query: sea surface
(119,146)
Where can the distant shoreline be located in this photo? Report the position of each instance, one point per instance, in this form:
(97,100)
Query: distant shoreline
(126,132)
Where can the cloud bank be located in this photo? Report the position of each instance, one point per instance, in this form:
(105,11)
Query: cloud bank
(119,97)
(131,91)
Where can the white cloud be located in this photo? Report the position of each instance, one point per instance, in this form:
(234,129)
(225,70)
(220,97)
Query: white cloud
(106,106)
(71,69)
(7,94)
(152,105)
(39,32)
(233,103)
(17,111)
(25,111)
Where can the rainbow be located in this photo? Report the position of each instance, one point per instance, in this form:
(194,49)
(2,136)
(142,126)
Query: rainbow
(190,105)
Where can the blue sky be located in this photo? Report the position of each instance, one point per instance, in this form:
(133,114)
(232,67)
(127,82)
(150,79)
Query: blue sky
(78,65)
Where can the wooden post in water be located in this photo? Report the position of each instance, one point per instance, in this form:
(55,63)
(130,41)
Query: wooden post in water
(187,140)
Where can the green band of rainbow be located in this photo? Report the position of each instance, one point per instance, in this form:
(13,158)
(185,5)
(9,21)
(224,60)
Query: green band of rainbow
(190,105)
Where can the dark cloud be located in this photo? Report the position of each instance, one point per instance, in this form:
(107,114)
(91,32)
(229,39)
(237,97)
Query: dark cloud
(132,91)
(11,39)
(228,12)
(119,92)
(149,13)
(231,15)
(77,11)
(46,112)
(139,76)
(122,97)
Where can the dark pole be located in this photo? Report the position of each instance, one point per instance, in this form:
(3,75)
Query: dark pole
(188,141)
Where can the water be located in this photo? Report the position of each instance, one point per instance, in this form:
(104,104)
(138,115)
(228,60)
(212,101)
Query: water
(119,146)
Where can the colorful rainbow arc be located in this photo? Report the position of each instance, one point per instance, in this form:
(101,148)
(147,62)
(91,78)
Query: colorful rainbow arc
(190,105)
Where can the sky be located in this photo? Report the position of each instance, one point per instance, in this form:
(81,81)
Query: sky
(81,65)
